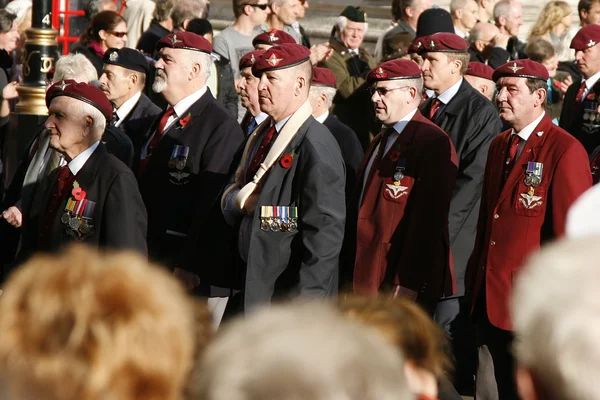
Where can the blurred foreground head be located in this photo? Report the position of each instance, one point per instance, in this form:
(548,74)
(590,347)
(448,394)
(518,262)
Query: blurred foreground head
(556,313)
(300,351)
(86,326)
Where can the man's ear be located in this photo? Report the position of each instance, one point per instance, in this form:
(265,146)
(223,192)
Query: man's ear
(323,98)
(300,85)
(88,122)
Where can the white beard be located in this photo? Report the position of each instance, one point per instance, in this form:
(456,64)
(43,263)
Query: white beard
(159,84)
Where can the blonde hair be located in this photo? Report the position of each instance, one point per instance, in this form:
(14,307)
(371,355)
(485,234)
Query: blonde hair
(86,326)
(550,16)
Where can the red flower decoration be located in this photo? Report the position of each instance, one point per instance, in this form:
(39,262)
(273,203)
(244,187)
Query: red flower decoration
(394,155)
(286,161)
(78,193)
(185,120)
(591,96)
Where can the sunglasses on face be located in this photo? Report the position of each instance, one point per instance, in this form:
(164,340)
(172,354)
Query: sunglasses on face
(383,91)
(261,6)
(120,35)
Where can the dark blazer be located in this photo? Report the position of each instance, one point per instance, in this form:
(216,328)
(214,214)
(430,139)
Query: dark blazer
(119,218)
(472,122)
(182,229)
(285,264)
(572,116)
(511,227)
(138,122)
(498,56)
(304,36)
(149,39)
(401,236)
(352,151)
(226,92)
(119,144)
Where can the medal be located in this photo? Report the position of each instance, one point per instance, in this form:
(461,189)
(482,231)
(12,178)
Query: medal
(180,164)
(171,164)
(275,221)
(293,224)
(179,156)
(65,218)
(586,116)
(533,176)
(284,212)
(264,218)
(399,174)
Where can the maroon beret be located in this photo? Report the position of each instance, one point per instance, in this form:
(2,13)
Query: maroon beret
(250,58)
(587,36)
(444,42)
(279,57)
(394,69)
(186,41)
(323,77)
(81,91)
(273,37)
(521,69)
(480,70)
(416,46)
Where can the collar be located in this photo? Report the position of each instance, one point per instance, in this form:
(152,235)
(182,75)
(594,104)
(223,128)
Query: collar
(400,125)
(279,125)
(450,92)
(589,83)
(186,102)
(78,162)
(321,118)
(459,32)
(528,130)
(260,117)
(127,106)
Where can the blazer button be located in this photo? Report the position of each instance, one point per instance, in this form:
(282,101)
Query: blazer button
(496,216)
(483,267)
(492,243)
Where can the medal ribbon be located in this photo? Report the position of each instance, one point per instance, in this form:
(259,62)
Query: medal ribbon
(84,208)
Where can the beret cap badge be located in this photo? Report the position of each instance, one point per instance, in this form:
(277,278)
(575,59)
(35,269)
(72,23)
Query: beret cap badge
(113,56)
(63,85)
(174,40)
(273,60)
(380,73)
(514,68)
(591,43)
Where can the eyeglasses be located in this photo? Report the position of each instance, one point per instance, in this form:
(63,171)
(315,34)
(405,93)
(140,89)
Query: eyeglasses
(261,6)
(120,35)
(382,91)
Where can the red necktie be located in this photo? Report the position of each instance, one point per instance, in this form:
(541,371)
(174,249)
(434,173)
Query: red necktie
(512,154)
(260,153)
(63,181)
(435,106)
(579,97)
(160,130)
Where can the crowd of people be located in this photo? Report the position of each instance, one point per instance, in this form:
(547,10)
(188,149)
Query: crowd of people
(405,196)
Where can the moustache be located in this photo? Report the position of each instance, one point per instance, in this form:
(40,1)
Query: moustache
(160,73)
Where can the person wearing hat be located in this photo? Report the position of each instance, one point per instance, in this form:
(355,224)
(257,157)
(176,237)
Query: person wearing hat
(247,87)
(270,38)
(535,171)
(184,165)
(472,122)
(479,76)
(92,197)
(286,197)
(351,63)
(580,116)
(123,80)
(398,216)
(322,93)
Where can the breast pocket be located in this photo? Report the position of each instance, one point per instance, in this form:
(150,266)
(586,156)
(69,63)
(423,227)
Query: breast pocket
(397,191)
(530,202)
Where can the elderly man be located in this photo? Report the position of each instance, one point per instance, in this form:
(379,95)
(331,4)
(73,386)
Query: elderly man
(580,116)
(287,195)
(123,80)
(351,63)
(535,171)
(284,13)
(479,76)
(471,122)
(248,88)
(464,16)
(398,219)
(487,45)
(322,92)
(92,197)
(508,16)
(184,165)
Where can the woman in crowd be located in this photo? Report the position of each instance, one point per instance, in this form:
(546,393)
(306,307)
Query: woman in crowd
(552,25)
(106,30)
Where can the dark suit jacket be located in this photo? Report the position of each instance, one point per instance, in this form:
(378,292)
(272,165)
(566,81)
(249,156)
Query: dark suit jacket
(401,236)
(119,144)
(511,228)
(149,39)
(572,116)
(352,151)
(139,121)
(472,122)
(284,264)
(182,229)
(119,218)
(498,57)
(226,92)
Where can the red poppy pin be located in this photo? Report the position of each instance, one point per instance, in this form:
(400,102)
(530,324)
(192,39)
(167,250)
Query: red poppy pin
(185,120)
(287,160)
(78,193)
(394,155)
(591,96)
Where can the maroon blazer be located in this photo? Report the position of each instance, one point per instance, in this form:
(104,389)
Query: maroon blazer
(512,224)
(402,230)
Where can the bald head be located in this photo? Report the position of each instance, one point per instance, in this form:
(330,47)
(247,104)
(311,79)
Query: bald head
(482,36)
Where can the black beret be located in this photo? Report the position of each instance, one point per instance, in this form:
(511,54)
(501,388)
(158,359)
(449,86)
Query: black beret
(127,58)
(354,14)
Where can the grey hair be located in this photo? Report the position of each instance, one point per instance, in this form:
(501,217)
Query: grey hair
(205,61)
(76,67)
(342,22)
(417,83)
(502,9)
(474,35)
(317,91)
(99,125)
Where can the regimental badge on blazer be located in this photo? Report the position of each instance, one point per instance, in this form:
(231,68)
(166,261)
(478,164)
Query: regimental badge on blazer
(279,218)
(533,178)
(178,170)
(394,189)
(77,217)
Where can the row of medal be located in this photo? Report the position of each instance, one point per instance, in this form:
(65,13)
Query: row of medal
(279,218)
(78,217)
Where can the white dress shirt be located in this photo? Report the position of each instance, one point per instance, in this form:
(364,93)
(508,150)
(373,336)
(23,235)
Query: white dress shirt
(126,107)
(321,118)
(590,82)
(78,162)
(526,132)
